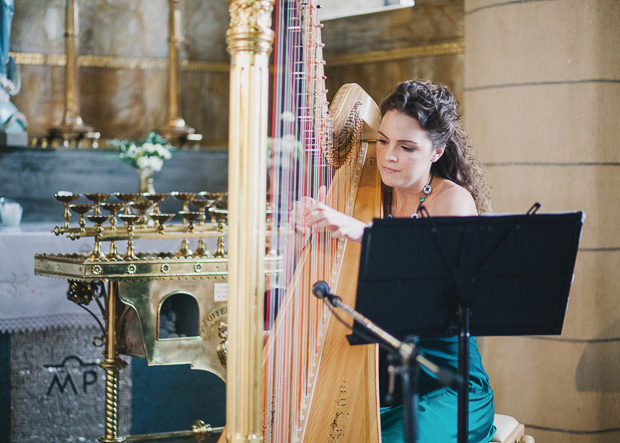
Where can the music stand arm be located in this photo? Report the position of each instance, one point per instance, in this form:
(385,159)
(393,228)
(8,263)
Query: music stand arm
(408,368)
(409,357)
(405,350)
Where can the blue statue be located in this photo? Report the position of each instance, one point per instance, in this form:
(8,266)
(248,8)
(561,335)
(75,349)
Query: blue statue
(13,123)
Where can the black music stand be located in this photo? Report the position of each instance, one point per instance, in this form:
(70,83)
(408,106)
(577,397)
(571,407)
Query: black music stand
(489,275)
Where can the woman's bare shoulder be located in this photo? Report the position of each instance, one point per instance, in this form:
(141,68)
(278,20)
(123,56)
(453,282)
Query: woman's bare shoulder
(453,200)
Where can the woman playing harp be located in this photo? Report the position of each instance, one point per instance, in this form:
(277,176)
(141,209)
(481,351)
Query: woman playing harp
(424,162)
(317,387)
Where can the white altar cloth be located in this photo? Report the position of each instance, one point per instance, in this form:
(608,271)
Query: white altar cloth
(34,302)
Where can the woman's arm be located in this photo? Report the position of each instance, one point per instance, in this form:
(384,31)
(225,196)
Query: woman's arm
(319,216)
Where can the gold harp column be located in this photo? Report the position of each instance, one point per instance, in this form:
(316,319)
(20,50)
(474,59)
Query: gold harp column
(72,125)
(249,41)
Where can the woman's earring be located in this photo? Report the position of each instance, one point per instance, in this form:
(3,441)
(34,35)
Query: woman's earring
(438,156)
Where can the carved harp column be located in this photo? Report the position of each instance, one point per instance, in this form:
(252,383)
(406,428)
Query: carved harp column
(249,41)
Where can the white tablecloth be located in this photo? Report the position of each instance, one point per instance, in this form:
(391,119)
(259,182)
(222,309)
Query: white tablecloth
(33,302)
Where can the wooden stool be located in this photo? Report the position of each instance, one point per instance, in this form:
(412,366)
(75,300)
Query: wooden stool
(509,430)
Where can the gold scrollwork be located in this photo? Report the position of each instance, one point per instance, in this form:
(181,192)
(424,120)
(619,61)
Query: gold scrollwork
(222,346)
(341,417)
(254,15)
(82,292)
(346,139)
(269,415)
(250,26)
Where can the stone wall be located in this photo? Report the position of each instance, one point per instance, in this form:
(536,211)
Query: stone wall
(541,95)
(377,51)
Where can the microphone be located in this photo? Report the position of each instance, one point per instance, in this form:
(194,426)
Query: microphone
(321,290)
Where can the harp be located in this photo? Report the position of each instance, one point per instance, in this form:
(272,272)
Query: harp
(303,382)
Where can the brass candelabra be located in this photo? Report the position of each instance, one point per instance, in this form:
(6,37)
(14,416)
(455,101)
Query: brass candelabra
(143,220)
(140,283)
(72,127)
(131,276)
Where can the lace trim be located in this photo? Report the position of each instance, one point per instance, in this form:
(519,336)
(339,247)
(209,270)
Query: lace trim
(44,322)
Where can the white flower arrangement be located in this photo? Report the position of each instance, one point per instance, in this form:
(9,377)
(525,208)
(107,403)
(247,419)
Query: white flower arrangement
(147,153)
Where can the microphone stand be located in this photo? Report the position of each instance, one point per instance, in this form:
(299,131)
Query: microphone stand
(409,357)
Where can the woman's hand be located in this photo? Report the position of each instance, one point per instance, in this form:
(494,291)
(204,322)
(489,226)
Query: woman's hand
(297,218)
(319,216)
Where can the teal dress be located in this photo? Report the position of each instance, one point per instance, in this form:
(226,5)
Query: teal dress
(438,405)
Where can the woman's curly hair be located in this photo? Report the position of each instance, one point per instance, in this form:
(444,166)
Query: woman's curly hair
(436,109)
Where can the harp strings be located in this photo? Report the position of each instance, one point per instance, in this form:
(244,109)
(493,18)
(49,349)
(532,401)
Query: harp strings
(298,169)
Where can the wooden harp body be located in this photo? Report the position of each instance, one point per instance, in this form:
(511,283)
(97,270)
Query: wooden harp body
(323,389)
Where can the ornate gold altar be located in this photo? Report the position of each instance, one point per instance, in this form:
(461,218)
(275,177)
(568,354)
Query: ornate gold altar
(141,286)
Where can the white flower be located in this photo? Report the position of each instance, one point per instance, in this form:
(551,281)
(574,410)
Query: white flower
(144,155)
(132,151)
(155,163)
(143,162)
(163,152)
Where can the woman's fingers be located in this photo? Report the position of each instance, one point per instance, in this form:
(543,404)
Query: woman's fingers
(322,193)
(312,216)
(320,225)
(318,212)
(305,230)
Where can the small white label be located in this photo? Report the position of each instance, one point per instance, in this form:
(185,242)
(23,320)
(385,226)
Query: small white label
(220,291)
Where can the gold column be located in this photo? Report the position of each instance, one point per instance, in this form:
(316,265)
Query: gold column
(72,126)
(175,128)
(249,41)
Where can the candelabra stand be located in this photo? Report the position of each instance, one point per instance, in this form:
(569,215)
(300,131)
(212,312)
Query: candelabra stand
(185,198)
(112,365)
(72,126)
(201,204)
(66,198)
(141,282)
(175,130)
(113,208)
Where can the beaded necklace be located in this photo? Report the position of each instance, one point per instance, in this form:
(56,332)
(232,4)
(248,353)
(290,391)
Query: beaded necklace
(426,191)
